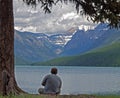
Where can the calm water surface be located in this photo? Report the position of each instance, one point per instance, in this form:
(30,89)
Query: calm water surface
(76,80)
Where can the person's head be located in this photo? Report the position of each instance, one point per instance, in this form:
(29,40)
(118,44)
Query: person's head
(54,70)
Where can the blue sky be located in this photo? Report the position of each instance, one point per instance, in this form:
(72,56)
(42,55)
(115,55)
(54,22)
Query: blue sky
(62,18)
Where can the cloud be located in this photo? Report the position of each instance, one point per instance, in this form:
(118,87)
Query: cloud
(63,17)
(71,15)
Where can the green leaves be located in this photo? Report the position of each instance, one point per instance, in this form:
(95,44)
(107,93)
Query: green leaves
(46,5)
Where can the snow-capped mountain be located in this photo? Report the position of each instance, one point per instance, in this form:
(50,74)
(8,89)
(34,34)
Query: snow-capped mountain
(61,39)
(83,41)
(34,47)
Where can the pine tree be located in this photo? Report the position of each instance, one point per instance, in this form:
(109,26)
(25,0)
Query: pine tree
(8,83)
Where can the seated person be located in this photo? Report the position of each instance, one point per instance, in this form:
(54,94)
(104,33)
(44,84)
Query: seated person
(52,83)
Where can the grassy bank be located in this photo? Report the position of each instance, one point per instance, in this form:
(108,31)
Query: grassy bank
(63,96)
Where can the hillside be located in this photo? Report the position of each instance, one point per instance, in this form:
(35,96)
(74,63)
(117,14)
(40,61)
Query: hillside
(106,56)
(84,41)
(34,47)
(19,61)
(39,47)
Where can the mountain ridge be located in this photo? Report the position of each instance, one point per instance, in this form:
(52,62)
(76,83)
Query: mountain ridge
(38,46)
(34,47)
(108,56)
(83,41)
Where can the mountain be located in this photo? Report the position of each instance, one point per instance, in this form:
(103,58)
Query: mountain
(38,47)
(106,56)
(20,61)
(33,47)
(83,41)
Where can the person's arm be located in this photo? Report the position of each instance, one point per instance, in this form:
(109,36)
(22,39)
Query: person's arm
(60,83)
(44,80)
(60,86)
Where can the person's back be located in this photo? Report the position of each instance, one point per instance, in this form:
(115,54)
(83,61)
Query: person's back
(52,83)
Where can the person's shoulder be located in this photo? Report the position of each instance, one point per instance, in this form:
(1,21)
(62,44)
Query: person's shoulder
(48,75)
(59,77)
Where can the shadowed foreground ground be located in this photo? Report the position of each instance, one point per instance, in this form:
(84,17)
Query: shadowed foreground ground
(62,96)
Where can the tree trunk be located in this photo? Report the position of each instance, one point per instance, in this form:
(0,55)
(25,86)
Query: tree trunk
(8,84)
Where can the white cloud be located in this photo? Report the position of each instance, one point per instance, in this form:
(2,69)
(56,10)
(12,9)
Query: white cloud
(62,18)
(71,15)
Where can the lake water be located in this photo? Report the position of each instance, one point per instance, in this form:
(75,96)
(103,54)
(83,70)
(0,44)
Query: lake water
(76,80)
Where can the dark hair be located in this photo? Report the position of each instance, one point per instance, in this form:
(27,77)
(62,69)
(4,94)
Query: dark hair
(54,70)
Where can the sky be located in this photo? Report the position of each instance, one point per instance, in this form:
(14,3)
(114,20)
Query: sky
(62,18)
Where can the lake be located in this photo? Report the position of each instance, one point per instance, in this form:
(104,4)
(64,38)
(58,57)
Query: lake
(76,80)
